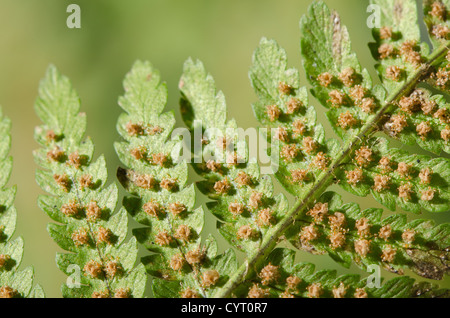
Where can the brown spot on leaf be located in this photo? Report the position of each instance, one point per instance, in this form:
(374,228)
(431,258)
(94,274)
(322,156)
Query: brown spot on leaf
(427,265)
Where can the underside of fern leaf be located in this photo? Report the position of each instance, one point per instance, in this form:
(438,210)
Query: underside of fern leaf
(394,177)
(365,163)
(14,283)
(409,105)
(421,112)
(306,163)
(160,198)
(100,262)
(403,170)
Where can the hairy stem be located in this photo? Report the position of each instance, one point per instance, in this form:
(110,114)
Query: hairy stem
(303,203)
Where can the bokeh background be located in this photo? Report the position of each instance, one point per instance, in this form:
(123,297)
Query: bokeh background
(113,34)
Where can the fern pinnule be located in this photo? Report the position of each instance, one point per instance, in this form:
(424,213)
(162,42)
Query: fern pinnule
(437,20)
(80,201)
(14,283)
(182,264)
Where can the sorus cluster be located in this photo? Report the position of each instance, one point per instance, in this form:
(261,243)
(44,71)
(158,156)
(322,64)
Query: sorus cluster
(297,286)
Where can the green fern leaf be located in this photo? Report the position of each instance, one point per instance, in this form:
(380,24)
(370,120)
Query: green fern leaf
(100,264)
(363,164)
(14,283)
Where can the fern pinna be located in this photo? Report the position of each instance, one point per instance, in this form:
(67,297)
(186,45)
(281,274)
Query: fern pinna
(14,283)
(100,263)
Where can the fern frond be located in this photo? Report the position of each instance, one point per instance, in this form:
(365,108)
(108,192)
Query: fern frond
(411,178)
(363,164)
(100,262)
(243,199)
(161,199)
(280,276)
(420,175)
(14,283)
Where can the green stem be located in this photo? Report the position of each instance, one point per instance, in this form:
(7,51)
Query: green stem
(326,178)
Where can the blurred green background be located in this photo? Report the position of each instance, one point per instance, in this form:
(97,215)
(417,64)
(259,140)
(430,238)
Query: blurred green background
(113,34)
